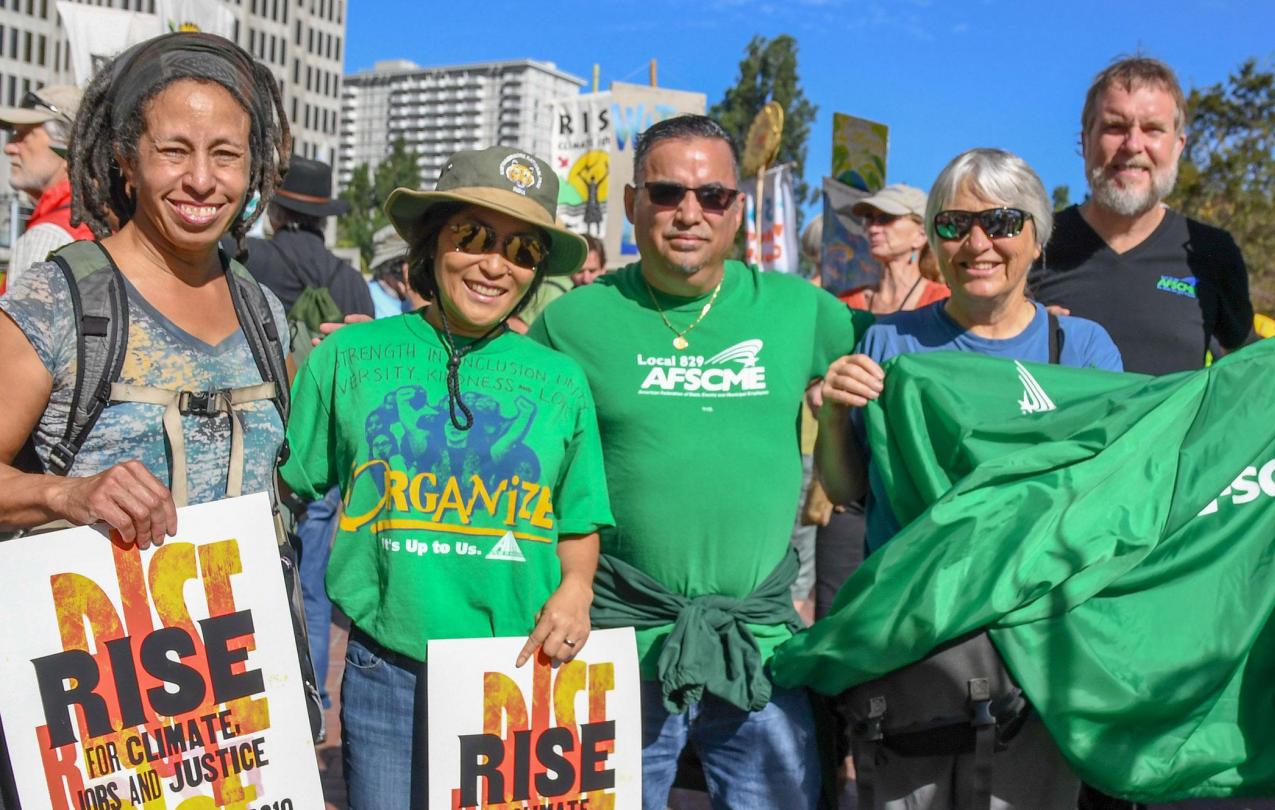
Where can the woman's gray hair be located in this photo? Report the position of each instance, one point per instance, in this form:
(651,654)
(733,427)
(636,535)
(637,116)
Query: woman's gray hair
(997,176)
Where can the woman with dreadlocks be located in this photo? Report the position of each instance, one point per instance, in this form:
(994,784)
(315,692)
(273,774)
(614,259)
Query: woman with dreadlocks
(468,457)
(172,139)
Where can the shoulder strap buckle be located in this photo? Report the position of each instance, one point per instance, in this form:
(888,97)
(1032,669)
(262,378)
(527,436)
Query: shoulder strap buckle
(201,403)
(61,458)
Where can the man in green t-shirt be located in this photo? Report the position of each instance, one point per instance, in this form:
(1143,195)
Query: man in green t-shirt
(698,365)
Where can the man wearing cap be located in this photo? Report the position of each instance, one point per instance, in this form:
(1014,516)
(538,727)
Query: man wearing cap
(39,130)
(698,366)
(1162,284)
(296,257)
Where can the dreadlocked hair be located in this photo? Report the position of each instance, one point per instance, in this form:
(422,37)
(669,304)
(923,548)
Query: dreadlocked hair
(107,131)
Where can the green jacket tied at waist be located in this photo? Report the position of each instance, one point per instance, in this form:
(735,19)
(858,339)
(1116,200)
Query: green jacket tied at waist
(710,647)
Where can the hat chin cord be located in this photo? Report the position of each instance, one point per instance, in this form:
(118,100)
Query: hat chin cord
(454,356)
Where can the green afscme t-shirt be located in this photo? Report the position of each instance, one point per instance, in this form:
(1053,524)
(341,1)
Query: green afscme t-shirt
(445,533)
(701,445)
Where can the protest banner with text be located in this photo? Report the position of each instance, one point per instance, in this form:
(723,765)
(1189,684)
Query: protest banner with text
(635,107)
(538,737)
(581,156)
(164,679)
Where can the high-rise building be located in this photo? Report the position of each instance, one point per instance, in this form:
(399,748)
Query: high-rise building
(440,110)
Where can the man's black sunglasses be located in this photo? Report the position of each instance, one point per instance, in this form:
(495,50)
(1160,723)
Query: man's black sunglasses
(997,223)
(713,197)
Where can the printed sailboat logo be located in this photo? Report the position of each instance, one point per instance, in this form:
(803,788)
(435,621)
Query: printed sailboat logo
(1034,400)
(506,549)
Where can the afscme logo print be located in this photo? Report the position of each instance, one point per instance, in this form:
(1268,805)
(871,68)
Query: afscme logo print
(1248,486)
(744,352)
(1034,400)
(733,372)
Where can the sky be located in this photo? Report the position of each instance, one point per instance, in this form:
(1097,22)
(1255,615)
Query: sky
(945,75)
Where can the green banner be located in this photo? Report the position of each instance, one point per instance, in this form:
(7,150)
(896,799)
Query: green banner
(1117,535)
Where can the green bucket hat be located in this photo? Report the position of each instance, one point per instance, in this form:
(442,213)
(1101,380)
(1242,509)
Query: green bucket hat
(501,179)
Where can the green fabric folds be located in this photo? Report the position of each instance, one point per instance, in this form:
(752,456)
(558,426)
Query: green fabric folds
(1120,548)
(710,647)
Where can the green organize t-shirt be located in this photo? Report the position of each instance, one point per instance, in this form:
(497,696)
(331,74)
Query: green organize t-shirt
(445,533)
(702,455)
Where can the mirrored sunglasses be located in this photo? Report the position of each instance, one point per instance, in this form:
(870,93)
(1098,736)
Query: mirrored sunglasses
(997,223)
(713,197)
(522,249)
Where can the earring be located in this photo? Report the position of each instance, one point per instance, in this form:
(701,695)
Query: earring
(912,258)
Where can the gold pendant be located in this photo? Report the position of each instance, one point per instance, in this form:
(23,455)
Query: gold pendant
(680,343)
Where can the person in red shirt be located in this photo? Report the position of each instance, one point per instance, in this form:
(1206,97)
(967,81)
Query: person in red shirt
(39,129)
(892,218)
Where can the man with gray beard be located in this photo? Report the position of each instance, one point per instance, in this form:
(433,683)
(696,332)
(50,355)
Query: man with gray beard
(1162,284)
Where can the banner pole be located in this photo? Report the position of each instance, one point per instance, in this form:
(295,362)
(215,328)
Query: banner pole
(761,188)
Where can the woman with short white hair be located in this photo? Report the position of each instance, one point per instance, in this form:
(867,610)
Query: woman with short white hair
(987,219)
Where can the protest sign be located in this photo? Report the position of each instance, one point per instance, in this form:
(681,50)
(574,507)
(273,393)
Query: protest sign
(635,107)
(164,678)
(96,35)
(536,737)
(581,157)
(845,260)
(859,151)
(778,223)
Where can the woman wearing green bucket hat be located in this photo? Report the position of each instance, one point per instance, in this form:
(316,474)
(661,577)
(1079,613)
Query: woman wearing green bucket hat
(433,423)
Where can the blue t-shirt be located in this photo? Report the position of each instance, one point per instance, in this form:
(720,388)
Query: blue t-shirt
(384,304)
(1085,344)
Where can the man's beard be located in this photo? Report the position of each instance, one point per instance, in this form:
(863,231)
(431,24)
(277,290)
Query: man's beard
(1131,202)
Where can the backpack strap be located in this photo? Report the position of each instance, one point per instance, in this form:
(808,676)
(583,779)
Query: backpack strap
(198,403)
(1056,338)
(100,311)
(866,747)
(974,784)
(257,321)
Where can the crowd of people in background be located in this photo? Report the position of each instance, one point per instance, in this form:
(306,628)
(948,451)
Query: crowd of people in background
(685,514)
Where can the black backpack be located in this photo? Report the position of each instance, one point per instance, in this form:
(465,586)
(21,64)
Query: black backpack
(100,310)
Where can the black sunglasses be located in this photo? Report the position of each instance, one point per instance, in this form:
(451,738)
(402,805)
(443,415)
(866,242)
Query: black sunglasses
(713,197)
(522,249)
(878,218)
(31,101)
(997,223)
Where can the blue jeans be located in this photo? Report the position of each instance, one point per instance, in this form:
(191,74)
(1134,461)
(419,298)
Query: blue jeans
(383,728)
(316,531)
(752,760)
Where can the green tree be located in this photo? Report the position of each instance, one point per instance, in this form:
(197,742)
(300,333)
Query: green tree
(768,72)
(1062,197)
(367,193)
(1227,173)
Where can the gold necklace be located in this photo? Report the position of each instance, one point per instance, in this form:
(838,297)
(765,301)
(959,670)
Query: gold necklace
(679,338)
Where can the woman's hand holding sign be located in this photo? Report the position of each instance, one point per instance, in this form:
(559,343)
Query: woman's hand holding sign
(562,625)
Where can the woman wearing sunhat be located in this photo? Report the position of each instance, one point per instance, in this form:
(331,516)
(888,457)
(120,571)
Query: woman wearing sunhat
(467,455)
(892,219)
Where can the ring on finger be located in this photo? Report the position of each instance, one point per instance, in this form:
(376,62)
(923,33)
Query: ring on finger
(568,642)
